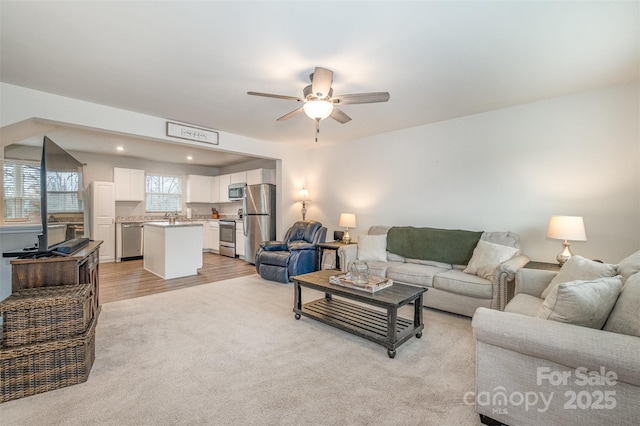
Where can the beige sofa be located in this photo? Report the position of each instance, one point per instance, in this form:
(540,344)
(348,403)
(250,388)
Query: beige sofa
(437,259)
(569,358)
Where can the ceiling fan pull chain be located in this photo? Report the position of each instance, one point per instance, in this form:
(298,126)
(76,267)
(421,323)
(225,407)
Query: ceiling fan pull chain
(317,128)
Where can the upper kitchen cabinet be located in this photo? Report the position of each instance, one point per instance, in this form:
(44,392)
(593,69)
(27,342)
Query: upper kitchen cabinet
(215,189)
(129,184)
(239,177)
(223,187)
(258,176)
(199,189)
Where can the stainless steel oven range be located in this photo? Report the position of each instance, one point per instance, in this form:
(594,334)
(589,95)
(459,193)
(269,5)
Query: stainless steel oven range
(228,238)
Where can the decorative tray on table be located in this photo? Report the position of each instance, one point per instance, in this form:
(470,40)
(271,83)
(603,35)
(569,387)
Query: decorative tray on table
(370,284)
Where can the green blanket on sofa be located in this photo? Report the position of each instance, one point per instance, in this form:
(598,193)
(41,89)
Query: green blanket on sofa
(453,246)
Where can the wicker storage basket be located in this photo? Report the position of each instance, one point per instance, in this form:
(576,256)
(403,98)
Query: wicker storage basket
(41,367)
(35,315)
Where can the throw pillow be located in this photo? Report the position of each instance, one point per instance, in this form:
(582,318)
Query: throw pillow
(629,266)
(625,316)
(579,268)
(508,238)
(487,257)
(586,303)
(372,248)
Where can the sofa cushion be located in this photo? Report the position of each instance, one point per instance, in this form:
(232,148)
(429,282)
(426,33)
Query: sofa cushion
(587,303)
(430,263)
(453,246)
(379,269)
(487,257)
(629,266)
(372,248)
(625,316)
(456,281)
(392,257)
(579,268)
(524,304)
(412,273)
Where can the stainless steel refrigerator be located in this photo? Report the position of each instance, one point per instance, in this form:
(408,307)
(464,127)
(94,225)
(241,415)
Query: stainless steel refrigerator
(259,208)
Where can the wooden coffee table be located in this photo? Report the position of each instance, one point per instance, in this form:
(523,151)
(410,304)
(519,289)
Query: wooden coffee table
(386,329)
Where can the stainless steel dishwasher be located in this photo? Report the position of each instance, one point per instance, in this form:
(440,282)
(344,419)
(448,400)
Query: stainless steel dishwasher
(132,242)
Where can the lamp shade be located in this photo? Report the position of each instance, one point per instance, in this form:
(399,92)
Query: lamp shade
(567,228)
(303,194)
(347,220)
(318,110)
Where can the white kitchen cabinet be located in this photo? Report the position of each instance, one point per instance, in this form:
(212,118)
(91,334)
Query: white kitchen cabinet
(129,184)
(198,189)
(239,177)
(240,239)
(223,184)
(215,189)
(258,176)
(212,236)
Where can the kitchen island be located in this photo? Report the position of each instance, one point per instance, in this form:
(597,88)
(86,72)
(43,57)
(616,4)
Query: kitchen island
(173,250)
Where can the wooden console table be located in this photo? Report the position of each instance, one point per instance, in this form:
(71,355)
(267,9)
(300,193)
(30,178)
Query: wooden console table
(80,267)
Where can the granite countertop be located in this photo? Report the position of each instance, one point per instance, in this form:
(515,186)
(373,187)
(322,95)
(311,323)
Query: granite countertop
(160,219)
(171,225)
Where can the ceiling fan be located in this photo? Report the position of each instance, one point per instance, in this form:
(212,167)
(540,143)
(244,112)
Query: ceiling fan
(319,103)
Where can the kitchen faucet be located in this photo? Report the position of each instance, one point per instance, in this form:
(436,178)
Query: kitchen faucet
(172,217)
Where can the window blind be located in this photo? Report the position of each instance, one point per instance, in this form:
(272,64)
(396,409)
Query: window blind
(163,193)
(21,191)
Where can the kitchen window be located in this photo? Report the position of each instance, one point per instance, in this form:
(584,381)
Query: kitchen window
(164,193)
(62,192)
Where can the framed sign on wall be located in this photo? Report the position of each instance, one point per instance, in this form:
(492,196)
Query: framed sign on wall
(192,133)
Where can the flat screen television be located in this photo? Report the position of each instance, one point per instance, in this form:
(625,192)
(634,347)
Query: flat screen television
(61,187)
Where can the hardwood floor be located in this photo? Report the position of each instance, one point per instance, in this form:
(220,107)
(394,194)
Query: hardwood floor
(126,280)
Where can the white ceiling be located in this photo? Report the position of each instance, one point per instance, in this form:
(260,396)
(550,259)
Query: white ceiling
(195,61)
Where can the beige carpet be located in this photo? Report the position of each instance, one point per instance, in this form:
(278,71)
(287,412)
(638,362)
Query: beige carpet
(231,353)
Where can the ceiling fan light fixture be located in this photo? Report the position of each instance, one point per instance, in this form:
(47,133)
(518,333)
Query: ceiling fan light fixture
(318,110)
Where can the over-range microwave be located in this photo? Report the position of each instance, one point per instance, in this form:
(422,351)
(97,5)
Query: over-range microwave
(236,191)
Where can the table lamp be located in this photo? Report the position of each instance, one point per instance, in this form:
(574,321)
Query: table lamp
(347,220)
(303,196)
(566,228)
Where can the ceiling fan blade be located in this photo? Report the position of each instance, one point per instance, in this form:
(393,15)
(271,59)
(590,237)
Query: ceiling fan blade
(269,95)
(321,80)
(290,114)
(362,98)
(339,116)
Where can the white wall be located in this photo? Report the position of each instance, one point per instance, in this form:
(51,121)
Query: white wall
(509,169)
